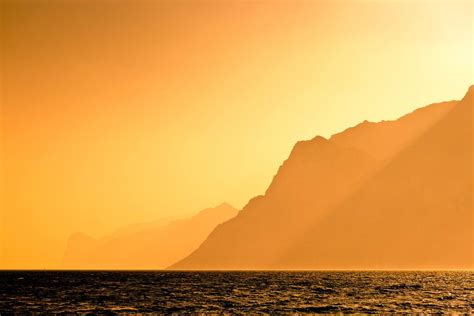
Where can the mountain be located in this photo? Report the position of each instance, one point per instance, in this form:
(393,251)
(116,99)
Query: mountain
(383,195)
(152,245)
(414,213)
(385,139)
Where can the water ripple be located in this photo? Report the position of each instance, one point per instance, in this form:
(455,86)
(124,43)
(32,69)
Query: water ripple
(236,292)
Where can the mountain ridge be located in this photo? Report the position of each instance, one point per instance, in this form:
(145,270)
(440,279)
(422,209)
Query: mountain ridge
(254,220)
(151,245)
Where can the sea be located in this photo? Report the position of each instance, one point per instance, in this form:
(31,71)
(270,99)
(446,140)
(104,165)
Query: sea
(125,292)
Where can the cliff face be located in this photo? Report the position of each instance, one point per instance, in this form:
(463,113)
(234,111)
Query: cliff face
(379,195)
(153,245)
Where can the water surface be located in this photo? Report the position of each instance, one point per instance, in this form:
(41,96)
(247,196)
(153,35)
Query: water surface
(236,292)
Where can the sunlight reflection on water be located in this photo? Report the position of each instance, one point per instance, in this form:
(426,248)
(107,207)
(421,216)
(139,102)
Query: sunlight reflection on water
(237,292)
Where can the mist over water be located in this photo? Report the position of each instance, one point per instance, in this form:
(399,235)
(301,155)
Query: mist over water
(236,292)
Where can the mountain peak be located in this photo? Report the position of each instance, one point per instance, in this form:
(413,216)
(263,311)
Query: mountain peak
(219,210)
(469,93)
(319,139)
(225,205)
(302,148)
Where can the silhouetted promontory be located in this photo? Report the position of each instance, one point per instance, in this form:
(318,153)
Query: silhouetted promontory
(388,195)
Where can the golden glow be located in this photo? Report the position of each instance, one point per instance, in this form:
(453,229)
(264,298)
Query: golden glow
(122,112)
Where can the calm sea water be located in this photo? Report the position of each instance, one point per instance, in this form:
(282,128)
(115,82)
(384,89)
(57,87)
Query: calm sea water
(236,292)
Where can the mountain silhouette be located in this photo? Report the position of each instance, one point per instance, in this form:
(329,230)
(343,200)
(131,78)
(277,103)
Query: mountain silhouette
(389,195)
(152,245)
(384,139)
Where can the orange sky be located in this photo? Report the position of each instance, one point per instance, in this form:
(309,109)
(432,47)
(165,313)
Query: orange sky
(129,111)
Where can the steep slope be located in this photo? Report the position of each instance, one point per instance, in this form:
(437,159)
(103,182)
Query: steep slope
(416,213)
(317,175)
(316,178)
(146,246)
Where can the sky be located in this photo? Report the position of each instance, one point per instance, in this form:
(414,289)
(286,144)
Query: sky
(121,112)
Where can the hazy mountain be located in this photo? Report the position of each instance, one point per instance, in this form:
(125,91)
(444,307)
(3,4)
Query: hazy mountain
(379,195)
(152,245)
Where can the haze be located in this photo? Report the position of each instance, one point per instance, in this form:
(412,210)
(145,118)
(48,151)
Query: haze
(125,112)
